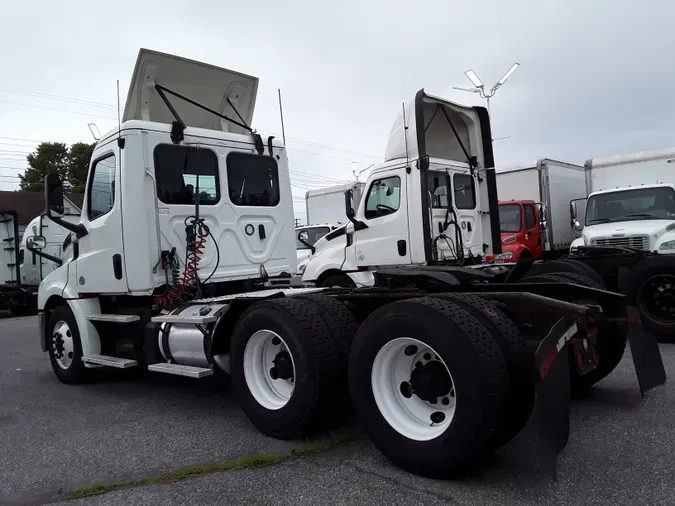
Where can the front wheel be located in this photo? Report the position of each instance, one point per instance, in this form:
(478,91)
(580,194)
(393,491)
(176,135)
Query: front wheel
(651,287)
(65,347)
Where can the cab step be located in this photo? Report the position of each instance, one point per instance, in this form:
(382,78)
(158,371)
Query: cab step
(185,320)
(181,370)
(114,318)
(117,362)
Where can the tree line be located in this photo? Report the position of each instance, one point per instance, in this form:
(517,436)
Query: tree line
(70,163)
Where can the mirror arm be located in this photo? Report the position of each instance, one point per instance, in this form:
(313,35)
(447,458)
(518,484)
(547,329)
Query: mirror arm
(78,229)
(39,253)
(312,248)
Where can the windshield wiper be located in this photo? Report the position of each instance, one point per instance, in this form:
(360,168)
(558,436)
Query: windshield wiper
(642,215)
(599,220)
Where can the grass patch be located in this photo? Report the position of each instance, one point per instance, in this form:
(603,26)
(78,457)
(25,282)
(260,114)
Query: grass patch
(252,462)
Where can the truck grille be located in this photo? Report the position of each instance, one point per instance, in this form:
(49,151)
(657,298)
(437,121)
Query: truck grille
(640,242)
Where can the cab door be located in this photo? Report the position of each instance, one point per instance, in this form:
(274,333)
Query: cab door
(533,238)
(100,264)
(383,210)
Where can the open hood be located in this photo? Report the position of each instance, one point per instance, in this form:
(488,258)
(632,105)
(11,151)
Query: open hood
(208,85)
(429,133)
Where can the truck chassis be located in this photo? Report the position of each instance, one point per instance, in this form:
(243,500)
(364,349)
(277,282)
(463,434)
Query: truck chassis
(433,402)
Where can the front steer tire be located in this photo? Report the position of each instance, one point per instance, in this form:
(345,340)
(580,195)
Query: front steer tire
(316,359)
(478,371)
(63,321)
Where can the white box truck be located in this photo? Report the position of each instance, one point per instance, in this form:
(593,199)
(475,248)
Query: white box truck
(631,207)
(327,205)
(21,271)
(534,201)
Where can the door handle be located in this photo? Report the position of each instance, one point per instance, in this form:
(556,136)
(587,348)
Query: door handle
(261,231)
(117,265)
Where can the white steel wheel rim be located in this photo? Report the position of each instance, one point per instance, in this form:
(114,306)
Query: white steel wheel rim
(409,416)
(259,360)
(63,347)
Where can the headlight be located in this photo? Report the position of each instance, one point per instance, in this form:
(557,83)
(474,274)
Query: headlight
(506,255)
(668,245)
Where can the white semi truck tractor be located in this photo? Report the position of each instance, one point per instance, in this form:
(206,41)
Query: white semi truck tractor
(186,240)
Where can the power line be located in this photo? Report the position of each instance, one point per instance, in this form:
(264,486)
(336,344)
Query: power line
(114,107)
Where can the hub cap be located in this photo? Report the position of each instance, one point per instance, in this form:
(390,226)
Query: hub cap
(657,297)
(269,369)
(413,389)
(62,345)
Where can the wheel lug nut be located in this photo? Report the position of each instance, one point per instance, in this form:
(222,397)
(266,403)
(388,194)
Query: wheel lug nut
(427,356)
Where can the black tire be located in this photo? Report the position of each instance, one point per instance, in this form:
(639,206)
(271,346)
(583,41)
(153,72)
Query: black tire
(612,339)
(478,370)
(520,364)
(648,275)
(562,266)
(340,280)
(338,318)
(76,372)
(584,269)
(316,360)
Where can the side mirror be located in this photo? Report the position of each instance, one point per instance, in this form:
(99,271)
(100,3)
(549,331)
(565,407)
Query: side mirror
(349,208)
(574,215)
(36,242)
(544,225)
(54,195)
(303,237)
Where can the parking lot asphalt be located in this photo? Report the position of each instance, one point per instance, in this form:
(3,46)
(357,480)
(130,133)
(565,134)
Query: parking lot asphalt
(56,438)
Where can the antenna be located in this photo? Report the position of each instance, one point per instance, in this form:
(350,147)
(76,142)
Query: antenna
(120,141)
(281,113)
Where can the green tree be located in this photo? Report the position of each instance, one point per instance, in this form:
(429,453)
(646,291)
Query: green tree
(48,157)
(79,157)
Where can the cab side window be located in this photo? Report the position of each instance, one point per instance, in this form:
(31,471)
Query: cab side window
(464,191)
(384,197)
(101,193)
(530,217)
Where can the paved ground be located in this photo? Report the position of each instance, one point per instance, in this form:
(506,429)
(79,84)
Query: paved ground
(55,438)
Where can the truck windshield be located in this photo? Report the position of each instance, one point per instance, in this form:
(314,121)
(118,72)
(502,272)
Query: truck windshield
(509,218)
(313,235)
(631,205)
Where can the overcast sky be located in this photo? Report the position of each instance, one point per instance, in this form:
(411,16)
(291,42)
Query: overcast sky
(596,78)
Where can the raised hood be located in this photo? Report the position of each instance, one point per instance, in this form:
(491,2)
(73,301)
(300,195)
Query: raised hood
(429,133)
(208,85)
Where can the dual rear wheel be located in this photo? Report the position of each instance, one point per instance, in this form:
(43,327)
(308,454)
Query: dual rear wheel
(437,383)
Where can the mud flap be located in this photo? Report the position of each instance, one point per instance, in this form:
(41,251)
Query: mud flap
(646,353)
(552,402)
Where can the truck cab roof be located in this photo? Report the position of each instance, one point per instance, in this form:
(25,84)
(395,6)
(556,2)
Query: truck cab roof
(631,187)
